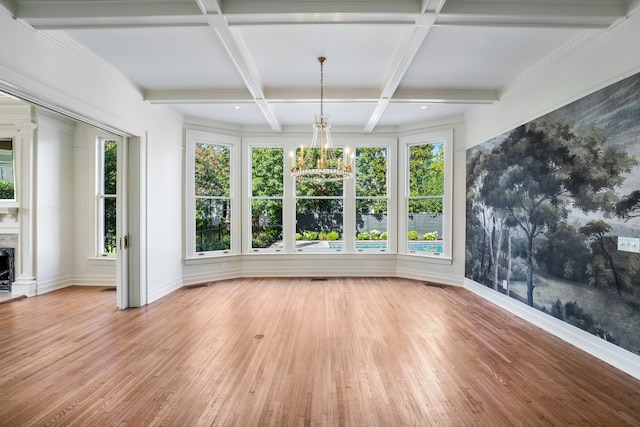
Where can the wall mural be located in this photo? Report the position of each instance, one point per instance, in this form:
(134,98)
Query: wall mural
(546,203)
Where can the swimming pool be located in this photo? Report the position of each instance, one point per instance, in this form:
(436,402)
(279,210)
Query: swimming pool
(412,246)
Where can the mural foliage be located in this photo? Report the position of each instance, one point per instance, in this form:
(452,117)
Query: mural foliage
(546,203)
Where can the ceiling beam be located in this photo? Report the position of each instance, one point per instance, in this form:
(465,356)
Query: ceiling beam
(65,14)
(304,96)
(60,14)
(209,6)
(448,96)
(314,7)
(239,55)
(532,13)
(400,66)
(225,96)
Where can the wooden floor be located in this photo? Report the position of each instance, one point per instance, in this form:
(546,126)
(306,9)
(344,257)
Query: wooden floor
(260,352)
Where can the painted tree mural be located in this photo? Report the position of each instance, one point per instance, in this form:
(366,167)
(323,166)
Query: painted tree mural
(545,203)
(541,168)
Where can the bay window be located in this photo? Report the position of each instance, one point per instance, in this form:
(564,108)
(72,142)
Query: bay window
(398,201)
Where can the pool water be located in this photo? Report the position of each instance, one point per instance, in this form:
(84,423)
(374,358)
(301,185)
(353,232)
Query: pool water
(419,246)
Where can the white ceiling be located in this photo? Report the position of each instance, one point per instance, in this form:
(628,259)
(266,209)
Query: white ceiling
(253,63)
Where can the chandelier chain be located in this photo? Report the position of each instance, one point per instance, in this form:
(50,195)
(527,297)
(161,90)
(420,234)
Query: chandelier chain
(321,59)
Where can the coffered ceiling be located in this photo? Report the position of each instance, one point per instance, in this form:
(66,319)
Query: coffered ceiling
(253,63)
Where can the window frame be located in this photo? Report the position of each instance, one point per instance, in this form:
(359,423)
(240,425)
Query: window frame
(340,198)
(192,137)
(390,197)
(101,196)
(249,197)
(12,165)
(446,137)
(17,138)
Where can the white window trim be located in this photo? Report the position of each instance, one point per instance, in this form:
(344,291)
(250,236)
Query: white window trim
(391,198)
(446,137)
(101,196)
(11,205)
(191,136)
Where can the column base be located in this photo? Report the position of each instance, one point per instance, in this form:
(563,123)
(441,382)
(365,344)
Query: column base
(27,287)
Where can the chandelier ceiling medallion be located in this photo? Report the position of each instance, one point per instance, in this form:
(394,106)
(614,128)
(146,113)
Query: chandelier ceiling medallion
(321,162)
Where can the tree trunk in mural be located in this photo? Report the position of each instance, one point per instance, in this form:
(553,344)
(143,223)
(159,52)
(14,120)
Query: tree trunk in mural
(530,285)
(498,245)
(509,262)
(596,232)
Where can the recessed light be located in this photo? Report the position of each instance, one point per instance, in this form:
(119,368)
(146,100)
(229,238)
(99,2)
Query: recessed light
(237,107)
(424,107)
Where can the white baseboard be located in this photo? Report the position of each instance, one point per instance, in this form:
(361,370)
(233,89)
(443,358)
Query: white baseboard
(53,284)
(163,290)
(610,353)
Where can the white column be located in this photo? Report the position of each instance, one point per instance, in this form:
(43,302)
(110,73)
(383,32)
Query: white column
(26,157)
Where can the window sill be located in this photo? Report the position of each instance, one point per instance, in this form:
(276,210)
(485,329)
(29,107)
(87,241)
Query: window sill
(106,260)
(208,258)
(432,259)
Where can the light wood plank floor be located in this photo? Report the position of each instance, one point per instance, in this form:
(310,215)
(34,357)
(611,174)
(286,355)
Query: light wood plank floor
(261,352)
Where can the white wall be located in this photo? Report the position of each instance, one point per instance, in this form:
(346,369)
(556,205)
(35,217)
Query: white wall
(594,60)
(54,197)
(36,68)
(164,172)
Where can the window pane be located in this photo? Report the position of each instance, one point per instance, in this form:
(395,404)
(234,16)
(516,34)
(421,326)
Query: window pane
(212,170)
(110,166)
(6,169)
(371,223)
(318,221)
(425,225)
(426,170)
(109,224)
(266,171)
(213,225)
(266,223)
(305,188)
(329,189)
(371,172)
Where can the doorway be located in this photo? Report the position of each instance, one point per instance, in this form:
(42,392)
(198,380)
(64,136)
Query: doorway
(56,174)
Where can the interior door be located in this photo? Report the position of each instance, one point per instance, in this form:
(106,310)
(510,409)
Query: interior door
(122,254)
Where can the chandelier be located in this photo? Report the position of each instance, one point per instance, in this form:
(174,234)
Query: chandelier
(321,162)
